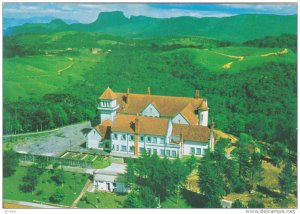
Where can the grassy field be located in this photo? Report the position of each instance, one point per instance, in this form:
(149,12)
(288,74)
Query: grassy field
(241,58)
(45,187)
(34,76)
(105,199)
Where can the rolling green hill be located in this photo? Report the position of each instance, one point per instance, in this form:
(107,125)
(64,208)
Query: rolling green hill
(54,78)
(236,28)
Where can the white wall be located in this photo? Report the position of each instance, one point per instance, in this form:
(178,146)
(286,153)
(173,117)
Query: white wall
(102,185)
(204,116)
(189,144)
(179,119)
(169,132)
(150,111)
(107,115)
(93,139)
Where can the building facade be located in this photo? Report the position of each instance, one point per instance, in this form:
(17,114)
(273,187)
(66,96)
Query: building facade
(166,125)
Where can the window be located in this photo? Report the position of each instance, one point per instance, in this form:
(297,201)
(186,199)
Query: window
(179,121)
(117,147)
(123,148)
(149,151)
(131,138)
(162,140)
(123,137)
(131,148)
(148,139)
(154,151)
(192,151)
(162,152)
(198,151)
(115,136)
(141,150)
(168,153)
(154,140)
(150,110)
(142,138)
(94,132)
(173,153)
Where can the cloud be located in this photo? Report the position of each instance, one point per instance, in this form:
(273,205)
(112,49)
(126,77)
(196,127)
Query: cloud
(88,12)
(274,8)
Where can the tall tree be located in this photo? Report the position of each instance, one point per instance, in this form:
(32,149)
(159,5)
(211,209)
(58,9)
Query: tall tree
(130,176)
(210,183)
(10,162)
(278,153)
(287,180)
(255,172)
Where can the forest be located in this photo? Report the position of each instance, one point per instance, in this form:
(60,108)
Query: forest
(258,99)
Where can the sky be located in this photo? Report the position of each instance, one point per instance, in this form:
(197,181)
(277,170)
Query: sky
(88,12)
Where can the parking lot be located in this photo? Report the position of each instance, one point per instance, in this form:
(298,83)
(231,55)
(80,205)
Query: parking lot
(55,143)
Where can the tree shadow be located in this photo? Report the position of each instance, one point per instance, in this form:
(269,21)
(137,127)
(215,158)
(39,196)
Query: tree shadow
(269,192)
(193,199)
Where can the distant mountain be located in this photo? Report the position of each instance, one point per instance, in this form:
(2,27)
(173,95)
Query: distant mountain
(12,22)
(238,28)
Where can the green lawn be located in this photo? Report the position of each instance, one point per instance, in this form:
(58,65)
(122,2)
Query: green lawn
(35,76)
(45,187)
(105,199)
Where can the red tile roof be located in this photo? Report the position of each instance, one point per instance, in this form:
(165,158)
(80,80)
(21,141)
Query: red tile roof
(104,129)
(167,105)
(147,125)
(108,94)
(192,132)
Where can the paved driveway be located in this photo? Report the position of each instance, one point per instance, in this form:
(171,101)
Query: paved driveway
(55,143)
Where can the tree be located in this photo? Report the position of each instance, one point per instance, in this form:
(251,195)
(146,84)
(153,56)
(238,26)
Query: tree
(255,172)
(57,196)
(237,204)
(30,179)
(10,162)
(287,180)
(191,163)
(148,197)
(130,176)
(278,153)
(59,176)
(210,183)
(133,201)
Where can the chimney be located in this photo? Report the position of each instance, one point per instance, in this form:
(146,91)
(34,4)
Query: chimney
(181,136)
(148,90)
(197,94)
(127,95)
(136,136)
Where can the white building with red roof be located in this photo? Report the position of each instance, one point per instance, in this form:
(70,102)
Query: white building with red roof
(166,125)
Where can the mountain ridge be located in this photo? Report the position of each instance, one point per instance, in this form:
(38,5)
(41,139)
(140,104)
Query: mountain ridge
(237,28)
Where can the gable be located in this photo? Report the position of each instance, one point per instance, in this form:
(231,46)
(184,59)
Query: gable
(179,119)
(151,111)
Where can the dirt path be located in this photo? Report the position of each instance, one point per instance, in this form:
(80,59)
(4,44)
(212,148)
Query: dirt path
(284,51)
(66,68)
(228,65)
(85,188)
(59,72)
